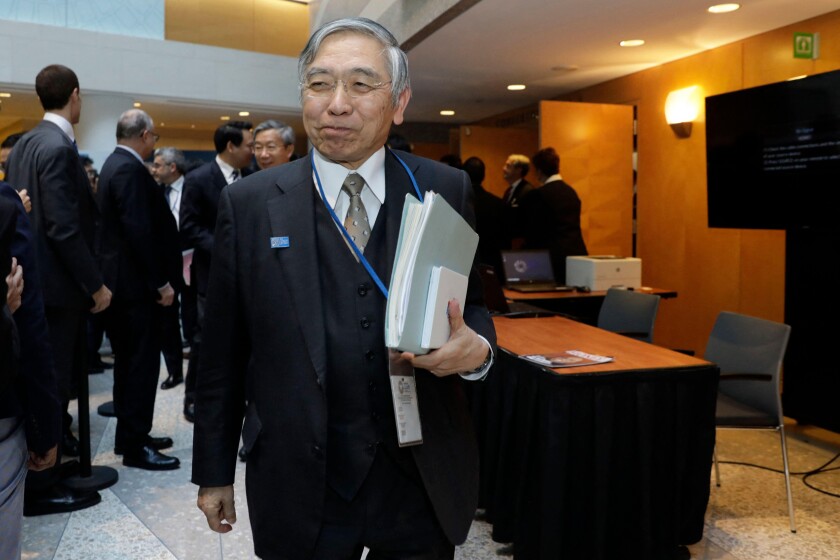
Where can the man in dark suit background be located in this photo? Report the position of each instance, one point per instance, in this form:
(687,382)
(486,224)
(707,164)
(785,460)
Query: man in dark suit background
(515,170)
(46,163)
(490,223)
(234,144)
(551,214)
(297,331)
(133,265)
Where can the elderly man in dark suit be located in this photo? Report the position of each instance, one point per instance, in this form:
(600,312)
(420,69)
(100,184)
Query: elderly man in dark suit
(551,214)
(46,163)
(199,205)
(295,327)
(133,265)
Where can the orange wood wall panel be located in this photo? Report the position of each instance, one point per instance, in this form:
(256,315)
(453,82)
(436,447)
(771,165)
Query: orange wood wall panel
(264,26)
(595,143)
(713,269)
(493,146)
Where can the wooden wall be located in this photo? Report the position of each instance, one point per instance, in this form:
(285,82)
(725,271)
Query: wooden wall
(266,26)
(713,269)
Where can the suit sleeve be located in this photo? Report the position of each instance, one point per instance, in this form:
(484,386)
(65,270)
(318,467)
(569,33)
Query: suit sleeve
(220,384)
(195,233)
(60,203)
(42,409)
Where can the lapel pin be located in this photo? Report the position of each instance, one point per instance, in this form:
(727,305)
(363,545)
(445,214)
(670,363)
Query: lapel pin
(279,242)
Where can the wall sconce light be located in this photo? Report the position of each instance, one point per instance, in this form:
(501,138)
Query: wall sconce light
(681,109)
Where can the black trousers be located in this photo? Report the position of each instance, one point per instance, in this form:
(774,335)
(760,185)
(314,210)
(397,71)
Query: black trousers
(68,338)
(168,323)
(391,515)
(136,344)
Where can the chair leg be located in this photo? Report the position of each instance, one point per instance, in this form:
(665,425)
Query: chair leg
(717,469)
(787,479)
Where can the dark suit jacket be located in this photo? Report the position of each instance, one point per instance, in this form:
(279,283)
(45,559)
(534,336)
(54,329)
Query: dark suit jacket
(9,348)
(551,220)
(35,393)
(167,239)
(492,228)
(265,342)
(130,259)
(199,206)
(521,190)
(63,216)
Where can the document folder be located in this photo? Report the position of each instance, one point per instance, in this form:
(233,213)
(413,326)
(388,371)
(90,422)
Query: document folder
(432,234)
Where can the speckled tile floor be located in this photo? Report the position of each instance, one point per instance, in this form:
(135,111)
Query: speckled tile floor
(152,515)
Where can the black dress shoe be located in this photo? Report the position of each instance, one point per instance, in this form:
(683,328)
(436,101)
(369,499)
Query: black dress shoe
(189,412)
(172,381)
(57,499)
(69,444)
(153,442)
(149,458)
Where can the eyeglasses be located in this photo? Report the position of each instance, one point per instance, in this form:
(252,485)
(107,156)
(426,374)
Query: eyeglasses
(355,87)
(271,148)
(154,135)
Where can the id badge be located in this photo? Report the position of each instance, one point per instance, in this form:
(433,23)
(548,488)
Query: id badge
(404,396)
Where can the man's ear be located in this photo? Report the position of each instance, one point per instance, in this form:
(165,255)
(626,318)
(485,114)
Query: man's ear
(402,103)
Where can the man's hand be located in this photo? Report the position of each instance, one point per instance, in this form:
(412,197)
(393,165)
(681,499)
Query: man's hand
(40,462)
(27,202)
(14,286)
(167,295)
(463,352)
(217,504)
(101,299)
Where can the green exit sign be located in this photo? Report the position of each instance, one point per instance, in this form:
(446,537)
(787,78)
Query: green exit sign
(806,45)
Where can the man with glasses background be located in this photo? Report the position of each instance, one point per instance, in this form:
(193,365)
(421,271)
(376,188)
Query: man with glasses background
(274,143)
(295,328)
(134,264)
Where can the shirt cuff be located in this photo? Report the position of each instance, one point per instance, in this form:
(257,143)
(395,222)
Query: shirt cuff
(482,373)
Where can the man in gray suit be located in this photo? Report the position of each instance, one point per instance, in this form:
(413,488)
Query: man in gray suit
(46,162)
(295,328)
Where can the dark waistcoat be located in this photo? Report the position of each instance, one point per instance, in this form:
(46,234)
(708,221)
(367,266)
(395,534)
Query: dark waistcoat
(360,413)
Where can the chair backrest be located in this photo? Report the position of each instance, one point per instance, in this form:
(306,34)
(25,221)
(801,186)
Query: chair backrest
(629,313)
(744,344)
(494,296)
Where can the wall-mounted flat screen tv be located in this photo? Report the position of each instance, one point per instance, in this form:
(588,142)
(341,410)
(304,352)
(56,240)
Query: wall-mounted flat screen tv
(773,154)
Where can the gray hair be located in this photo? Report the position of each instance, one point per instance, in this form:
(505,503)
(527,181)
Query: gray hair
(287,134)
(132,123)
(396,58)
(173,155)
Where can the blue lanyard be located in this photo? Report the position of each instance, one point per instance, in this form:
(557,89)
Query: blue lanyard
(356,250)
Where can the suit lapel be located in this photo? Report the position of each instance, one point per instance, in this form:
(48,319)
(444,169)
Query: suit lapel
(292,214)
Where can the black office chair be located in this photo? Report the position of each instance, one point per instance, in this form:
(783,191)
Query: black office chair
(749,352)
(629,313)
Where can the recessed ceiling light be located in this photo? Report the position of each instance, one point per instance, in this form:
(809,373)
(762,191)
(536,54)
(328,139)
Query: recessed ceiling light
(225,118)
(632,43)
(162,124)
(244,113)
(5,94)
(516,87)
(192,126)
(138,104)
(723,8)
(797,77)
(447,112)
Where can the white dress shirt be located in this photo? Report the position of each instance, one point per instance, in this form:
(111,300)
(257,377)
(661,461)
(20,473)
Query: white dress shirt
(174,199)
(61,123)
(228,170)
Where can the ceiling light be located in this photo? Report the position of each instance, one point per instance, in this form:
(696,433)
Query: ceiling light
(192,126)
(447,112)
(244,113)
(797,77)
(225,118)
(516,87)
(162,124)
(723,8)
(5,94)
(632,43)
(138,104)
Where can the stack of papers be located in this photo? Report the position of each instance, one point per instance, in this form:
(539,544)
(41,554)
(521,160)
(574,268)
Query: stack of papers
(434,240)
(569,358)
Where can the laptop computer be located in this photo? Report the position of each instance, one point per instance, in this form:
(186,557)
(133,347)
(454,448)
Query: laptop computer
(530,271)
